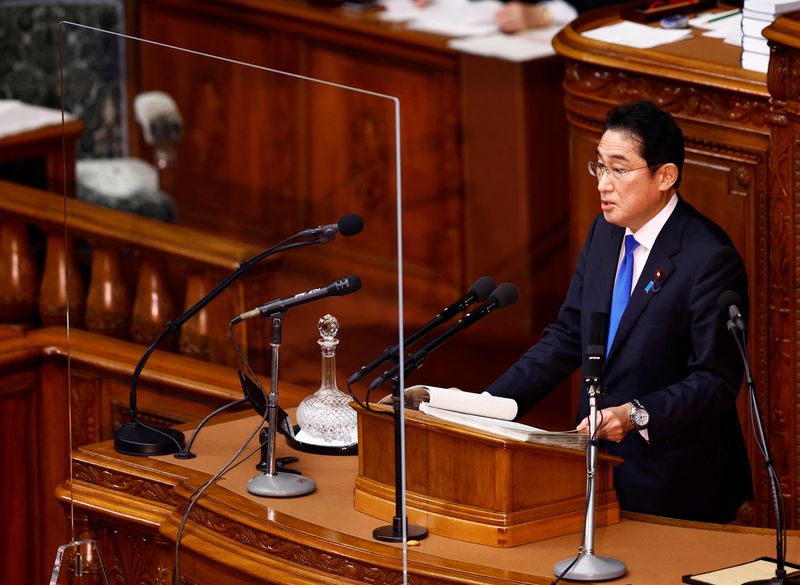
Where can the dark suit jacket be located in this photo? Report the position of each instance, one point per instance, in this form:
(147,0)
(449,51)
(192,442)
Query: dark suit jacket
(672,351)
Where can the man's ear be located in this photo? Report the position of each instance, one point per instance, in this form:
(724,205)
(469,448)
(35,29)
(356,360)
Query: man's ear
(669,174)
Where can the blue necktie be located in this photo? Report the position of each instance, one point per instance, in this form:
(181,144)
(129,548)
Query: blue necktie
(622,289)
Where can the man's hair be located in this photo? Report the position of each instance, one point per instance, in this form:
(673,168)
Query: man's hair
(660,138)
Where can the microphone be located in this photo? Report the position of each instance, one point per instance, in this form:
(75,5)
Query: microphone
(338,288)
(479,291)
(504,295)
(348,225)
(596,348)
(138,438)
(728,303)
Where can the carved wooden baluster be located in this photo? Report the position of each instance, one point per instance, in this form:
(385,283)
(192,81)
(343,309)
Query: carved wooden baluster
(194,333)
(153,306)
(19,279)
(60,274)
(108,307)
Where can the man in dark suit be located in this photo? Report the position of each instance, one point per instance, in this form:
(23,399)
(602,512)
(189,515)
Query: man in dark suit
(672,372)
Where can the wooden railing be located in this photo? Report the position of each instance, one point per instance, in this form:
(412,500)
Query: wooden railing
(43,398)
(121,275)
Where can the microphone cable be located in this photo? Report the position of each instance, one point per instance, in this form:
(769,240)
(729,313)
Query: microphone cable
(227,466)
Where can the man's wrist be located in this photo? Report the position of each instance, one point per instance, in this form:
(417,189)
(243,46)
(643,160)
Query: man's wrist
(639,416)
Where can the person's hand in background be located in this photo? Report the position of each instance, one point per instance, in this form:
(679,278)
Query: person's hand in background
(516,16)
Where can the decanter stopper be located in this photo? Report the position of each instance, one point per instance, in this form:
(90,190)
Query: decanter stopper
(325,417)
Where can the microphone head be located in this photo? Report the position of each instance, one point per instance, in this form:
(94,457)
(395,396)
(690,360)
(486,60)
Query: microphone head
(350,225)
(598,329)
(506,294)
(728,298)
(344,286)
(482,288)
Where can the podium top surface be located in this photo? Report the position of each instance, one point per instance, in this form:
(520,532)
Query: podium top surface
(656,551)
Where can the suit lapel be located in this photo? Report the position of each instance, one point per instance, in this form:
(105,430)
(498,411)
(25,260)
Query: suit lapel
(657,270)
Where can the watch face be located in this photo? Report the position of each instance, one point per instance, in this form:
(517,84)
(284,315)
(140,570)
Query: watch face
(640,417)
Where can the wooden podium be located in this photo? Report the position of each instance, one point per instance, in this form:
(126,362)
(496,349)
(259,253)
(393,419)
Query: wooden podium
(473,486)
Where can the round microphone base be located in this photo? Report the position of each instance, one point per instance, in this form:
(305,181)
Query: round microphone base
(590,568)
(134,438)
(394,533)
(281,485)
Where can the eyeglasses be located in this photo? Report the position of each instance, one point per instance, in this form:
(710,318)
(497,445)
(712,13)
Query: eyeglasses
(597,169)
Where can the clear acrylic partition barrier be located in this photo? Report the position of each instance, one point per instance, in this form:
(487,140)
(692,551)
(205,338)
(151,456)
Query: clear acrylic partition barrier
(191,168)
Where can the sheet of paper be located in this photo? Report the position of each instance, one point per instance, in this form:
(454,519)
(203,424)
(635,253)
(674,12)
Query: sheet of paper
(638,36)
(519,47)
(17,117)
(455,18)
(717,20)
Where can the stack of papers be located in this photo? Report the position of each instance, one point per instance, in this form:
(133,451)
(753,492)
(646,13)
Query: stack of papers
(756,16)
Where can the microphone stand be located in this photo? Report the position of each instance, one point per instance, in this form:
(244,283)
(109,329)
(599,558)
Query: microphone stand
(780,577)
(272,483)
(138,438)
(507,294)
(586,566)
(400,530)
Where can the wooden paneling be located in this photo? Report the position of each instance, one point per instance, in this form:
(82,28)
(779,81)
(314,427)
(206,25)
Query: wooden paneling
(289,153)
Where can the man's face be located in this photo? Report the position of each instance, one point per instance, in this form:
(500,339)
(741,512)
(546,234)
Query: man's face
(630,201)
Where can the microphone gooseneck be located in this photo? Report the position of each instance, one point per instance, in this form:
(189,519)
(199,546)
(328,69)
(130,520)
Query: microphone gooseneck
(729,303)
(138,438)
(503,296)
(478,291)
(338,288)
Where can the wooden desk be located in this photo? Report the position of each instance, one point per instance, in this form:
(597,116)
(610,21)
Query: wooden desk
(133,506)
(45,150)
(741,170)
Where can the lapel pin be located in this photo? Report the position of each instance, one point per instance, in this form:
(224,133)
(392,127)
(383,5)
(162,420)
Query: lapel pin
(649,287)
(658,278)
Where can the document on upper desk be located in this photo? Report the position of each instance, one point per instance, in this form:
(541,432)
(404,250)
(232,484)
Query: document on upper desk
(456,18)
(523,46)
(638,36)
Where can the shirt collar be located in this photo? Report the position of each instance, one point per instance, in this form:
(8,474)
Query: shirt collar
(647,234)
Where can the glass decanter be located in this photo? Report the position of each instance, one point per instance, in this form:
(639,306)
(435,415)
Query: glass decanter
(326,417)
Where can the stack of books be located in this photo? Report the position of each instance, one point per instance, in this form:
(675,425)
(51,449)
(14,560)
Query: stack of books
(756,16)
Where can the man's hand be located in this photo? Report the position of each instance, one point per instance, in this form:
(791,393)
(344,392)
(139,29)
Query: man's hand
(612,423)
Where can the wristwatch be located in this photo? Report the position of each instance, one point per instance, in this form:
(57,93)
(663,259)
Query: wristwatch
(639,416)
